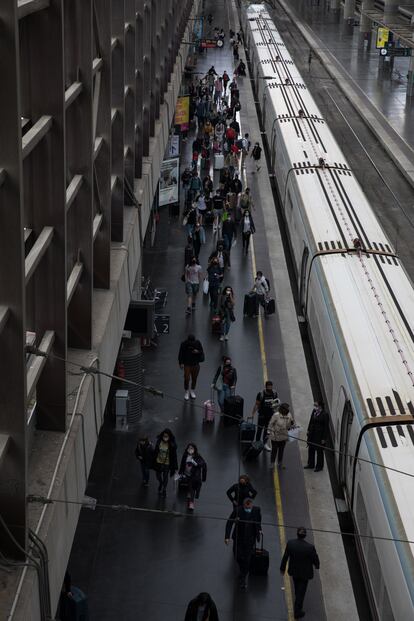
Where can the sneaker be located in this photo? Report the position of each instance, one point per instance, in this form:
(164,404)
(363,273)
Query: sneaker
(186,395)
(221,338)
(191,505)
(188,311)
(267,447)
(226,338)
(192,394)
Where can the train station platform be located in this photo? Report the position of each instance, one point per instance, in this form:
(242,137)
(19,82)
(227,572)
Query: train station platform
(149,560)
(378,96)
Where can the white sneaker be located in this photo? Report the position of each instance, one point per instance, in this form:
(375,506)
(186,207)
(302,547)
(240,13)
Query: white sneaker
(267,446)
(221,338)
(226,338)
(186,395)
(192,394)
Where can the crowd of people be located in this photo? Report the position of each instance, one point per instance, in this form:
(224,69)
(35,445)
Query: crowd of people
(228,208)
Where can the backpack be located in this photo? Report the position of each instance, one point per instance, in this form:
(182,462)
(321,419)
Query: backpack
(239,143)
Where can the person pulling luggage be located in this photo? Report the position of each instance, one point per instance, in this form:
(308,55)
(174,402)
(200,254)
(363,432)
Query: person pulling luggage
(189,357)
(261,288)
(264,405)
(279,425)
(224,381)
(193,473)
(165,459)
(245,527)
(238,492)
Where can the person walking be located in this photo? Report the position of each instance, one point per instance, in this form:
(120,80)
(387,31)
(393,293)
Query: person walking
(192,277)
(202,608)
(245,527)
(228,231)
(199,238)
(226,80)
(144,452)
(226,310)
(256,154)
(190,355)
(261,287)
(302,557)
(264,404)
(248,229)
(207,186)
(245,149)
(279,425)
(193,473)
(241,490)
(318,430)
(218,205)
(222,255)
(218,90)
(236,185)
(165,459)
(246,201)
(188,251)
(224,381)
(215,277)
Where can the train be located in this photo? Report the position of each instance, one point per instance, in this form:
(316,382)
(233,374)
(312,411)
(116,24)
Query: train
(358,303)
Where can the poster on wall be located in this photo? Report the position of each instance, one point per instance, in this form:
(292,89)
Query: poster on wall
(383,35)
(182,113)
(169,178)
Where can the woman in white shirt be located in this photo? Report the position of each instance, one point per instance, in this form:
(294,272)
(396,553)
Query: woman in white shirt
(247,228)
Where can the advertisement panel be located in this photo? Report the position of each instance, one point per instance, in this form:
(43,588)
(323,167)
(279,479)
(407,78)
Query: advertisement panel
(182,113)
(169,181)
(382,37)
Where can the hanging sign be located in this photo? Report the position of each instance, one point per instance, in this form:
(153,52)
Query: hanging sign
(382,37)
(182,113)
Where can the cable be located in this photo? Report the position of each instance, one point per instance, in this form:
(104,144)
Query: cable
(217,518)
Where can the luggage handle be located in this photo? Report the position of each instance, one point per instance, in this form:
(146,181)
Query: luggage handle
(261,543)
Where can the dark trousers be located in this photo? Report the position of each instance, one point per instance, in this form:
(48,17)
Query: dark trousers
(191,373)
(319,457)
(162,477)
(277,451)
(243,558)
(145,472)
(262,425)
(300,591)
(193,490)
(214,295)
(246,239)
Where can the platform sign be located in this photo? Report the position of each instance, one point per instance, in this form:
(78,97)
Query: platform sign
(169,176)
(211,43)
(182,113)
(162,324)
(383,35)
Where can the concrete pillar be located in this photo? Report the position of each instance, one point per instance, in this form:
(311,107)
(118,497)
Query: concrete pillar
(390,10)
(365,26)
(349,9)
(410,83)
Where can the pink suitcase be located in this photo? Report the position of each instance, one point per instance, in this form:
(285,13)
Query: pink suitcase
(209,408)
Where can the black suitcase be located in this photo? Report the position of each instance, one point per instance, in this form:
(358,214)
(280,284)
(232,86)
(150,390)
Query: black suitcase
(253,450)
(247,433)
(259,563)
(270,307)
(233,410)
(250,305)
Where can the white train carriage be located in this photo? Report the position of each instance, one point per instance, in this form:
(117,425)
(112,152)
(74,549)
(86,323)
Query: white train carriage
(359,305)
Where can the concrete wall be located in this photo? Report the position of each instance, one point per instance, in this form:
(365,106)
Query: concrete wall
(59,522)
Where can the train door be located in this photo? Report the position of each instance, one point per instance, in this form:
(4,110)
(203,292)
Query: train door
(264,108)
(345,459)
(302,284)
(273,148)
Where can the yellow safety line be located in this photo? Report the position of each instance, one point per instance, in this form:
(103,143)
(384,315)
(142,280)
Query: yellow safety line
(276,482)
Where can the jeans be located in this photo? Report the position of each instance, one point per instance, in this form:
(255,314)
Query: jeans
(226,325)
(145,472)
(191,372)
(227,240)
(223,394)
(300,592)
(277,451)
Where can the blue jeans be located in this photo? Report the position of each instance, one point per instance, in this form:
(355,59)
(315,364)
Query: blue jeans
(227,240)
(222,394)
(226,325)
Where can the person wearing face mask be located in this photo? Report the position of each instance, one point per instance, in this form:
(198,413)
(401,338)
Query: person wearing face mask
(215,277)
(318,430)
(193,277)
(193,473)
(202,608)
(222,255)
(279,426)
(226,310)
(165,459)
(238,492)
(224,381)
(247,229)
(199,238)
(245,527)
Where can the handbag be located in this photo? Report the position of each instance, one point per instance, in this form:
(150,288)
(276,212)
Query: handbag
(205,286)
(185,220)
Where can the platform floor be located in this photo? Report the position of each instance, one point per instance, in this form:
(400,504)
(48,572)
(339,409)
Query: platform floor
(142,565)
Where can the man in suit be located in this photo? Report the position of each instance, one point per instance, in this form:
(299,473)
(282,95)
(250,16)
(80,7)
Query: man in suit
(246,523)
(302,558)
(318,430)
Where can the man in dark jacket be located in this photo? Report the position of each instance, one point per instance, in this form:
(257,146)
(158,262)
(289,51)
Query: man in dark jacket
(318,430)
(189,357)
(302,558)
(246,523)
(202,605)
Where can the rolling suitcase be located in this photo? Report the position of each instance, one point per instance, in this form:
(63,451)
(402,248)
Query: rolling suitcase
(233,410)
(247,433)
(218,161)
(250,305)
(270,306)
(209,407)
(216,325)
(253,450)
(259,563)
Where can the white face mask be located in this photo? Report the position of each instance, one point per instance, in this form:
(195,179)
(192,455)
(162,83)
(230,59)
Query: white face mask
(165,438)
(190,451)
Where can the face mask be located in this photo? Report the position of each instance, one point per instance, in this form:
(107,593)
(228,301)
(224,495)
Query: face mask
(165,438)
(248,509)
(190,451)
(242,482)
